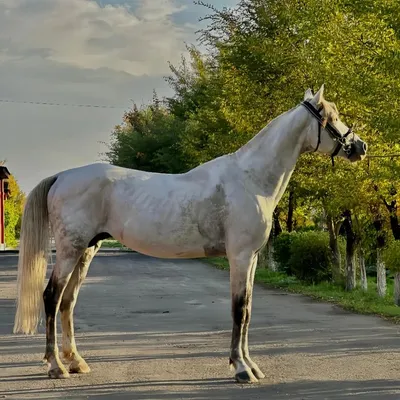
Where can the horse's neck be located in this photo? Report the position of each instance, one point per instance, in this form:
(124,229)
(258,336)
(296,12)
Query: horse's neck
(270,157)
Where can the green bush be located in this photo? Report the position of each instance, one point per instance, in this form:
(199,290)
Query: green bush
(282,244)
(310,257)
(12,213)
(11,218)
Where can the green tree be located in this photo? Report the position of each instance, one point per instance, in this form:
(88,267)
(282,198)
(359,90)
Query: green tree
(198,100)
(149,140)
(13,213)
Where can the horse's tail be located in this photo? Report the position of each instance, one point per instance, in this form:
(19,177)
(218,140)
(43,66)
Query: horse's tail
(32,262)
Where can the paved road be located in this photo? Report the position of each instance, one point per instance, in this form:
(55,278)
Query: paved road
(156,329)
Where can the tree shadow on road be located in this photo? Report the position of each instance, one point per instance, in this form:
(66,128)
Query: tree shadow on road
(221,389)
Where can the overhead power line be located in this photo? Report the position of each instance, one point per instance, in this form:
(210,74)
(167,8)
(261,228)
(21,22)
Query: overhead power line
(50,103)
(383,155)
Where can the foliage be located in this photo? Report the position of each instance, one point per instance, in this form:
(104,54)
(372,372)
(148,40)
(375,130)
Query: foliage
(391,256)
(305,254)
(282,251)
(198,100)
(148,140)
(113,244)
(310,257)
(13,213)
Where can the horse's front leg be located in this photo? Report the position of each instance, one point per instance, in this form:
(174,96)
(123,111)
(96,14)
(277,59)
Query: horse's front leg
(242,268)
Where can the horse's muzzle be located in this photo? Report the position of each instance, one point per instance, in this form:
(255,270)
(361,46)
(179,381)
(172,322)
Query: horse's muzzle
(358,151)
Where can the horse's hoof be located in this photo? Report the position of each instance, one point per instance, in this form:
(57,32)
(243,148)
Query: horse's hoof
(79,367)
(257,373)
(58,373)
(245,377)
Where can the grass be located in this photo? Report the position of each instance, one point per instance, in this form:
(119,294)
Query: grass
(357,300)
(114,244)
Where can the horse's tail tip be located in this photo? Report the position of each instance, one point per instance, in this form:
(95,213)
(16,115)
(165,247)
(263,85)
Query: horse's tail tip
(24,329)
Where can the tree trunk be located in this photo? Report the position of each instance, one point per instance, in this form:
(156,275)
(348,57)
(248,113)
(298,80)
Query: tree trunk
(351,242)
(397,288)
(350,271)
(289,222)
(380,266)
(394,224)
(333,229)
(276,227)
(394,220)
(270,255)
(266,256)
(380,274)
(263,258)
(363,271)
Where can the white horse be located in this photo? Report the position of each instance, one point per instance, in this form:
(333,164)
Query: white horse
(223,207)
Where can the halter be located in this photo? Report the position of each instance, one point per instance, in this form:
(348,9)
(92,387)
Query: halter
(333,132)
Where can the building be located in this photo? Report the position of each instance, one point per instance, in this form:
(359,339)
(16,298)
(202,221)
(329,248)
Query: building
(4,192)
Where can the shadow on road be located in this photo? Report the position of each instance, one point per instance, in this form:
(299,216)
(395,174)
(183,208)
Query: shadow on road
(219,389)
(156,329)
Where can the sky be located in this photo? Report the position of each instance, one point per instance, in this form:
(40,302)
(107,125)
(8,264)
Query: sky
(104,52)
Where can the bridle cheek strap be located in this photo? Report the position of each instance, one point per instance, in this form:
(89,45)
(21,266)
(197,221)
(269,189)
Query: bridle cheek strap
(333,133)
(319,137)
(316,113)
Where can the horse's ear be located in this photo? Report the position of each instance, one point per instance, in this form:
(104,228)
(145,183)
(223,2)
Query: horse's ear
(308,94)
(319,96)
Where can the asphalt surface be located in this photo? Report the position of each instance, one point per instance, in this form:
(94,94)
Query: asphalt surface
(159,329)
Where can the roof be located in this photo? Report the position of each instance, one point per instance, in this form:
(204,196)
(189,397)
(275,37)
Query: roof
(4,172)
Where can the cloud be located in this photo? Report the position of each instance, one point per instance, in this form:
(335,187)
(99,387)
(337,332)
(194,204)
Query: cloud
(40,140)
(83,34)
(80,52)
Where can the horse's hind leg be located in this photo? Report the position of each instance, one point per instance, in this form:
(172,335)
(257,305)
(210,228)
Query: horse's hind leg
(245,338)
(241,275)
(66,260)
(70,352)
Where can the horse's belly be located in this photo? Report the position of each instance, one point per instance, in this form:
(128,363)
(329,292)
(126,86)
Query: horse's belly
(163,249)
(167,228)
(163,242)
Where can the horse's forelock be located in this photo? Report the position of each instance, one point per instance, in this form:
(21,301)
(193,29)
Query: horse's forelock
(330,111)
